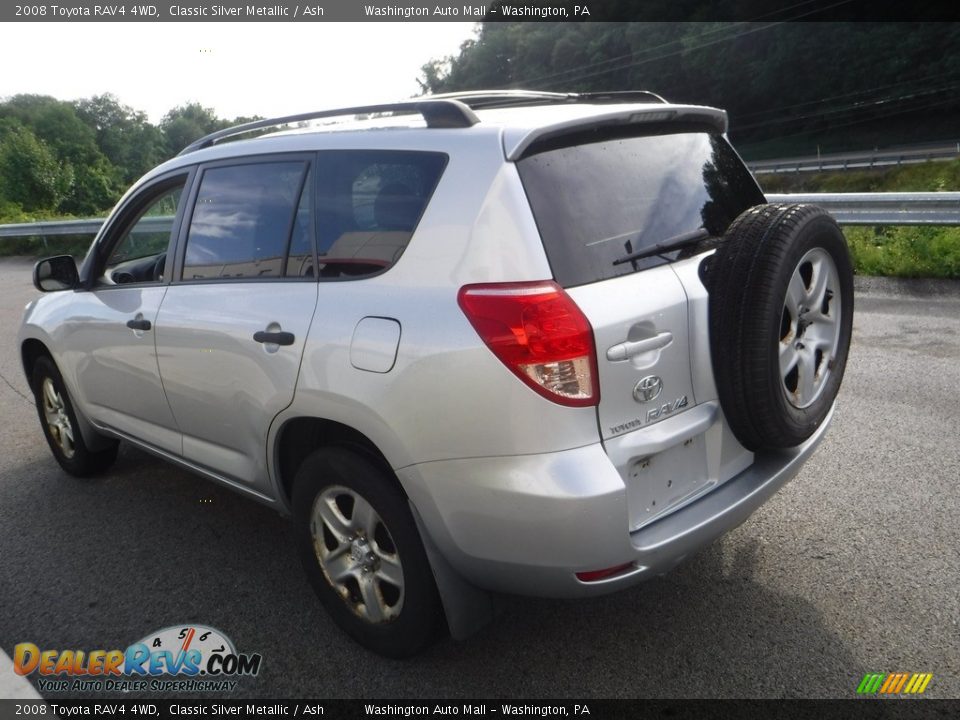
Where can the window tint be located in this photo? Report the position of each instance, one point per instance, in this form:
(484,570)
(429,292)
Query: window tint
(599,201)
(242,221)
(140,254)
(368,205)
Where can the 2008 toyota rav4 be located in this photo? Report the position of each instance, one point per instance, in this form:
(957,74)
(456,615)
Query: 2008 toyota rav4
(503,341)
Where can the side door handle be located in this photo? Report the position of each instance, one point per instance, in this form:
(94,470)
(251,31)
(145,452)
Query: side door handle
(274,338)
(627,350)
(139,323)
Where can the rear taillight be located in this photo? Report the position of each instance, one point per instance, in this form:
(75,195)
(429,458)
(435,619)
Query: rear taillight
(538,332)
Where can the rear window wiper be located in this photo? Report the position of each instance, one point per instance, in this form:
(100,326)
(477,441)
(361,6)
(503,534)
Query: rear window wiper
(675,243)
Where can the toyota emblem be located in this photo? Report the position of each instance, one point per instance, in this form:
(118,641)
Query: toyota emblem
(647,389)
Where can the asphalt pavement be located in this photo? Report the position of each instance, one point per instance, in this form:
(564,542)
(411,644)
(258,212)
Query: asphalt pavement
(852,568)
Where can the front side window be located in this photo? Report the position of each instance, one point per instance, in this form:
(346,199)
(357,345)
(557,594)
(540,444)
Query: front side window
(243,222)
(140,255)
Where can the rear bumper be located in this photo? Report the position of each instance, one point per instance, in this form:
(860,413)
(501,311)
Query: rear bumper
(527,524)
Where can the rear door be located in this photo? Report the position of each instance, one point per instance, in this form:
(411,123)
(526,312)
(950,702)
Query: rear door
(231,329)
(599,199)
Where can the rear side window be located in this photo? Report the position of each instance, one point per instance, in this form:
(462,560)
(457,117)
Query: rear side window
(596,202)
(368,205)
(245,220)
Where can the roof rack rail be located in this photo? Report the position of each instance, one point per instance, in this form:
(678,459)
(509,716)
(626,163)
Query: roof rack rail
(489,99)
(438,113)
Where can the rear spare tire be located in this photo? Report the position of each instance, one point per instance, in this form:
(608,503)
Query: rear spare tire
(781,313)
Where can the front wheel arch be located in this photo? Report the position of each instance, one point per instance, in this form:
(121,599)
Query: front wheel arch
(31,351)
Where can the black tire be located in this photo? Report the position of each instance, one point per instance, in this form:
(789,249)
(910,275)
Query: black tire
(752,323)
(401,618)
(59,422)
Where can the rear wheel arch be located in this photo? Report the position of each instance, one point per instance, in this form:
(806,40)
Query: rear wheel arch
(299,437)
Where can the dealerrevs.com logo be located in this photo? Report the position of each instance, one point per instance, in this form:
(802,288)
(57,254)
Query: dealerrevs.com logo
(181,658)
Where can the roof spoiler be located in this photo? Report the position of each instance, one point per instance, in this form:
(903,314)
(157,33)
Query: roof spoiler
(516,145)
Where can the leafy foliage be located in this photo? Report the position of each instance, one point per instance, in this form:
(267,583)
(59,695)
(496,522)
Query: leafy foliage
(123,135)
(186,123)
(31,176)
(929,252)
(76,158)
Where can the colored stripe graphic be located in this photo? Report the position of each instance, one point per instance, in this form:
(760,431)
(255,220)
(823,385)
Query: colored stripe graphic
(894,683)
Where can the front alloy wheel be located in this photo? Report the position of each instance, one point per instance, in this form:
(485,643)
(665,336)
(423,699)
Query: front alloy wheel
(58,422)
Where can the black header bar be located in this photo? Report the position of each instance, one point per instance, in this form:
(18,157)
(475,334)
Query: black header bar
(479,11)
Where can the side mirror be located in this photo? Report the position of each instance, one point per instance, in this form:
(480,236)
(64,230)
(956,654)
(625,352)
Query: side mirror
(56,273)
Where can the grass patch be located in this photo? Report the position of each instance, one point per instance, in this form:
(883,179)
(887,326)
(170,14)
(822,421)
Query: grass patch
(894,251)
(912,252)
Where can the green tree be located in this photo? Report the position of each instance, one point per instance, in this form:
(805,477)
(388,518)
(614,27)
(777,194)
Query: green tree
(131,144)
(186,123)
(96,182)
(31,177)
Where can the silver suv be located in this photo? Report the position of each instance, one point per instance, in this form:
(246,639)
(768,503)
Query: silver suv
(534,343)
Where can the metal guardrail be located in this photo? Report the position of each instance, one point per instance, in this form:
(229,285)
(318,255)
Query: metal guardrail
(857,160)
(884,208)
(52,227)
(91,226)
(891,208)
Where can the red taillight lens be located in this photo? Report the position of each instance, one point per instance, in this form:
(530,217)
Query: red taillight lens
(538,332)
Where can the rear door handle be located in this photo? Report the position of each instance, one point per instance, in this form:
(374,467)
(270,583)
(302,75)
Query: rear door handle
(627,350)
(139,324)
(274,338)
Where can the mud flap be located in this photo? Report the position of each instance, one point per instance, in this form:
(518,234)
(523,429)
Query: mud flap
(467,607)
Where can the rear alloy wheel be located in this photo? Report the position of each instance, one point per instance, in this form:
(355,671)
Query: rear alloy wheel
(362,552)
(59,422)
(357,554)
(781,315)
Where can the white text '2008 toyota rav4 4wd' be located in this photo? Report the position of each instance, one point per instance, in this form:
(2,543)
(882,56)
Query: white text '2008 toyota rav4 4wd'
(506,341)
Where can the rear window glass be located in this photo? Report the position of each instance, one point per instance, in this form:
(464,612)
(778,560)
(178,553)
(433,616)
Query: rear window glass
(596,202)
(368,205)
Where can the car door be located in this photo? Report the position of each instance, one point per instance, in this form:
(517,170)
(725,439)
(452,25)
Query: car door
(110,337)
(232,326)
